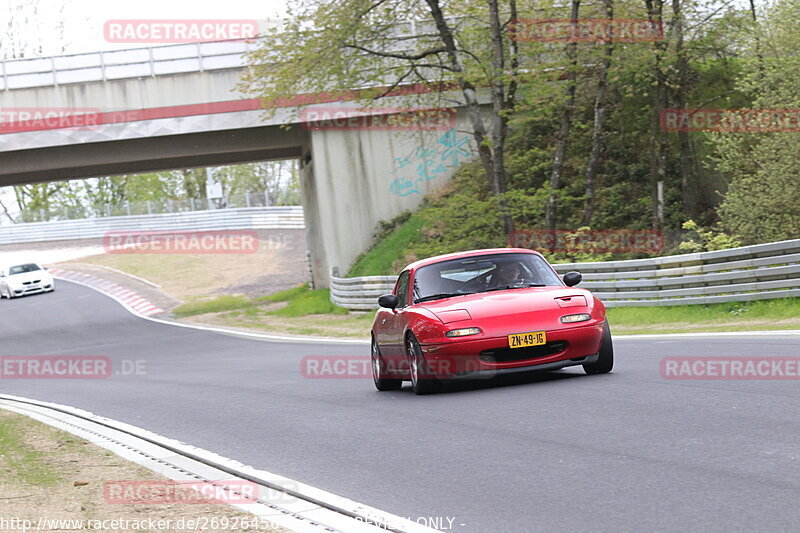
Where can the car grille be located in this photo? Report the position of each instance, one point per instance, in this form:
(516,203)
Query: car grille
(504,355)
(31,282)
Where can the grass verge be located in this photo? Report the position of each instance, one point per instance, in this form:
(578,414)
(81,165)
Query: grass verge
(783,313)
(296,311)
(301,311)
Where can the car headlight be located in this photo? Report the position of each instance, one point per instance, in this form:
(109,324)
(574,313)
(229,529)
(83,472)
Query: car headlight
(580,317)
(463,332)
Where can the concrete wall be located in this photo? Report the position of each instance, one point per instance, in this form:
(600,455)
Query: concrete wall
(361,177)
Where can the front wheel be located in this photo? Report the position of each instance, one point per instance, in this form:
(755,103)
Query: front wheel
(605,362)
(379,371)
(422,379)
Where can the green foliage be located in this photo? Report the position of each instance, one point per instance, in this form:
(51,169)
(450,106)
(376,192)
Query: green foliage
(394,245)
(285,295)
(698,239)
(763,200)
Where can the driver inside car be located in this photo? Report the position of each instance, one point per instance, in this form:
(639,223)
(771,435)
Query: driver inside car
(506,274)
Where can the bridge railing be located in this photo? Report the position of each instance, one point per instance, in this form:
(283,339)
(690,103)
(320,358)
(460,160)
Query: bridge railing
(757,272)
(122,64)
(255,218)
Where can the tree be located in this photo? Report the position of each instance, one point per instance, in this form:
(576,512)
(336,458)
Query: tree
(332,47)
(763,198)
(593,165)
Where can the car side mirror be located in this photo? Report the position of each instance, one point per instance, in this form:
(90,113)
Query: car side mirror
(389,301)
(572,278)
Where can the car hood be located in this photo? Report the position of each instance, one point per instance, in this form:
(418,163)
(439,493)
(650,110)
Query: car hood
(514,302)
(29,276)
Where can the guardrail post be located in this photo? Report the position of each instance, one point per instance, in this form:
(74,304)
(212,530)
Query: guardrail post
(128,207)
(152,63)
(247,198)
(310,270)
(149,208)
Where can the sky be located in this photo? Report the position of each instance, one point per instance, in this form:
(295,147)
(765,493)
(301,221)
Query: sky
(83,19)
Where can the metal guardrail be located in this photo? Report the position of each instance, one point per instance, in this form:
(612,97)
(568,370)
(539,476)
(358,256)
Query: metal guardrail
(757,272)
(146,207)
(122,64)
(239,218)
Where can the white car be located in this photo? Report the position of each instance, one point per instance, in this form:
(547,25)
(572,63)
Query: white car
(28,278)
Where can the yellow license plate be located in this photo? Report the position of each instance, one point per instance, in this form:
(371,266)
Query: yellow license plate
(532,338)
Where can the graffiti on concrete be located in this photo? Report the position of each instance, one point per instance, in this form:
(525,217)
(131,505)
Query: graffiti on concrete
(427,163)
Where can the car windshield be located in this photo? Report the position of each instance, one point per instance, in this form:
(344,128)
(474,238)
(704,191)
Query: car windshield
(483,273)
(21,269)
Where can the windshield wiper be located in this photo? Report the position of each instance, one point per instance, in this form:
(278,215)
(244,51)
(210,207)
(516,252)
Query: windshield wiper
(441,295)
(522,286)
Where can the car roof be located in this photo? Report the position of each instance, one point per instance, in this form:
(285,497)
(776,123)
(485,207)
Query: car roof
(469,253)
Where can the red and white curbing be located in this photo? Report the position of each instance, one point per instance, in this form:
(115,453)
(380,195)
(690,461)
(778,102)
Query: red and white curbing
(126,297)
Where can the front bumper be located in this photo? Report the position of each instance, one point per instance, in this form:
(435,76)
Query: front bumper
(487,357)
(31,289)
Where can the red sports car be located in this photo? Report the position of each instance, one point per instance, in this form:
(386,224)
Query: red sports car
(482,313)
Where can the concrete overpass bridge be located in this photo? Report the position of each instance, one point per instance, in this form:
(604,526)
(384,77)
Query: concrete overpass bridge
(176,106)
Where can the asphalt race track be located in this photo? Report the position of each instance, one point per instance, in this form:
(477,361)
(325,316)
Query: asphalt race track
(555,452)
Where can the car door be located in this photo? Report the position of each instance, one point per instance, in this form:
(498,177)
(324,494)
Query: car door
(393,327)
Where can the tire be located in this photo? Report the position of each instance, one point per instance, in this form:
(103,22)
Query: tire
(422,378)
(605,362)
(379,369)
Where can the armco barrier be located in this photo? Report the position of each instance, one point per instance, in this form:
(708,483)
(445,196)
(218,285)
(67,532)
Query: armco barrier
(289,217)
(757,272)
